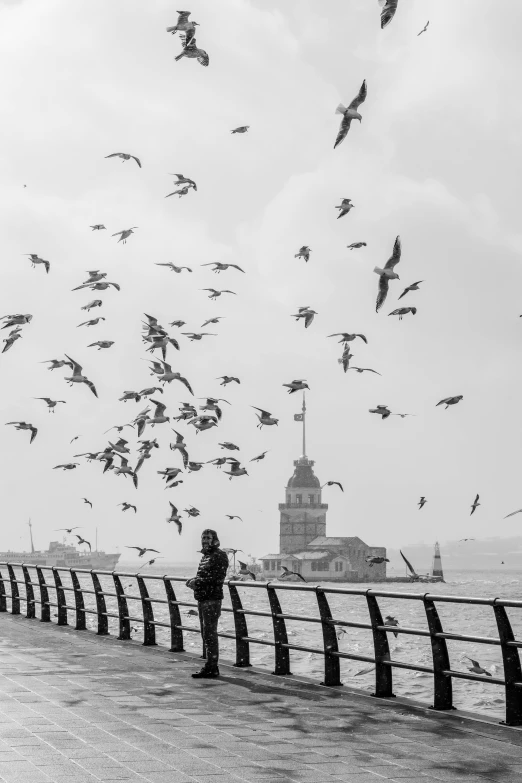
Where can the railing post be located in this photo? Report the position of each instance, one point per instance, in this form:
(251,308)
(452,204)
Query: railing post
(123,610)
(512,670)
(240,624)
(45,609)
(15,593)
(176,634)
(3,601)
(282,654)
(101,607)
(442,685)
(30,611)
(149,629)
(383,674)
(332,669)
(60,598)
(81,620)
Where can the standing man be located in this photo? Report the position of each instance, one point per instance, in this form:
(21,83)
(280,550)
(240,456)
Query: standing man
(208,592)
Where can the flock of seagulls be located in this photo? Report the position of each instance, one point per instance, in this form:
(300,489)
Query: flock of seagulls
(115,457)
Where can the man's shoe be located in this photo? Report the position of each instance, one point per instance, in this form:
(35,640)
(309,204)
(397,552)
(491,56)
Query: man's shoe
(207,674)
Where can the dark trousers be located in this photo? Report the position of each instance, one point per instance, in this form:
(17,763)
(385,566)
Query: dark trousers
(209,613)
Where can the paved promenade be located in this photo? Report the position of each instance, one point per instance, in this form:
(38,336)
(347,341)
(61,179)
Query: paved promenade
(78,708)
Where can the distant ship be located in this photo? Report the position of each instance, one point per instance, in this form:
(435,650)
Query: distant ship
(62,555)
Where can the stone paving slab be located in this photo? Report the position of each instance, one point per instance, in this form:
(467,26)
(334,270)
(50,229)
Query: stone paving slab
(79,708)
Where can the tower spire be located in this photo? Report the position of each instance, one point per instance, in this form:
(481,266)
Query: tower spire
(304,424)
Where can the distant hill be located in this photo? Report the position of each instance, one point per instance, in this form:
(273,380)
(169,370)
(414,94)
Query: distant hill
(481,554)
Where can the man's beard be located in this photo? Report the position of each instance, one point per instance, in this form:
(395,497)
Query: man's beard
(205,548)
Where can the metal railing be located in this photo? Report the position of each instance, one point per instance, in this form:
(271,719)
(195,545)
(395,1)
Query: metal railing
(443,674)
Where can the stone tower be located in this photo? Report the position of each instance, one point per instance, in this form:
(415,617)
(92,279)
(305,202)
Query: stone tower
(436,569)
(303,516)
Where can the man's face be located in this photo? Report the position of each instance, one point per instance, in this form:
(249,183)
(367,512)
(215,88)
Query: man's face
(206,540)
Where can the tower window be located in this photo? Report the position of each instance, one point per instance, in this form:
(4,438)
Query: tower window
(289,499)
(311,498)
(266,565)
(299,499)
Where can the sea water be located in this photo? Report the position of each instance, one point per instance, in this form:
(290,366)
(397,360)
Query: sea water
(456,618)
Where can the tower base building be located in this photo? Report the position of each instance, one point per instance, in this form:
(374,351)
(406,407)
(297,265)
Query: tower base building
(304,546)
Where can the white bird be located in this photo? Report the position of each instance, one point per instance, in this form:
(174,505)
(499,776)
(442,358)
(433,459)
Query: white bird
(235,469)
(98,227)
(220,267)
(296,385)
(184,180)
(77,377)
(36,260)
(401,311)
(265,418)
(307,314)
(182,25)
(23,425)
(124,156)
(304,252)
(191,51)
(388,273)
(412,287)
(350,114)
(344,207)
(173,267)
(51,404)
(125,234)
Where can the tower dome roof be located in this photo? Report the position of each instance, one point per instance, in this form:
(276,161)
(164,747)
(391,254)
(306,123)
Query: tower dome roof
(304,475)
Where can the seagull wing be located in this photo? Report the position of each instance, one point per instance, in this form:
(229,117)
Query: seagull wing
(76,368)
(383,292)
(361,97)
(395,256)
(160,408)
(343,130)
(519,511)
(137,160)
(411,568)
(388,12)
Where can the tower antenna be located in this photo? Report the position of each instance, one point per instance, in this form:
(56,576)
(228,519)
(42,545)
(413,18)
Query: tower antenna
(304,424)
(31,534)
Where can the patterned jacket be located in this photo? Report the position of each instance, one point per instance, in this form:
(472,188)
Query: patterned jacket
(208,583)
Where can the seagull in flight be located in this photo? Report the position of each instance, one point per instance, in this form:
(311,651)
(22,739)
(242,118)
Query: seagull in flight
(23,425)
(215,293)
(87,501)
(265,418)
(477,668)
(346,337)
(124,156)
(401,311)
(331,483)
(423,29)
(241,129)
(35,259)
(83,541)
(304,252)
(412,287)
(175,517)
(365,369)
(388,273)
(422,502)
(286,572)
(356,245)
(173,267)
(67,529)
(350,114)
(233,516)
(344,207)
(125,234)
(182,25)
(227,379)
(221,267)
(125,506)
(260,456)
(98,227)
(191,51)
(77,377)
(306,313)
(447,401)
(389,8)
(51,404)
(142,550)
(298,385)
(474,505)
(182,180)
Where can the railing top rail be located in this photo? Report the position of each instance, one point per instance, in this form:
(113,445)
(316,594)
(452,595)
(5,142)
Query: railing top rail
(295,586)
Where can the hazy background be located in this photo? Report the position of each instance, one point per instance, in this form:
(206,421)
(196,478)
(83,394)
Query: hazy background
(436,159)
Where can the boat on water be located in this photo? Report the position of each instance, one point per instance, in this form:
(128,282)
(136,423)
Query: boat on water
(62,555)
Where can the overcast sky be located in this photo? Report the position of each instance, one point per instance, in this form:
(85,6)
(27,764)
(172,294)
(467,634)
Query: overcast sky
(435,160)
